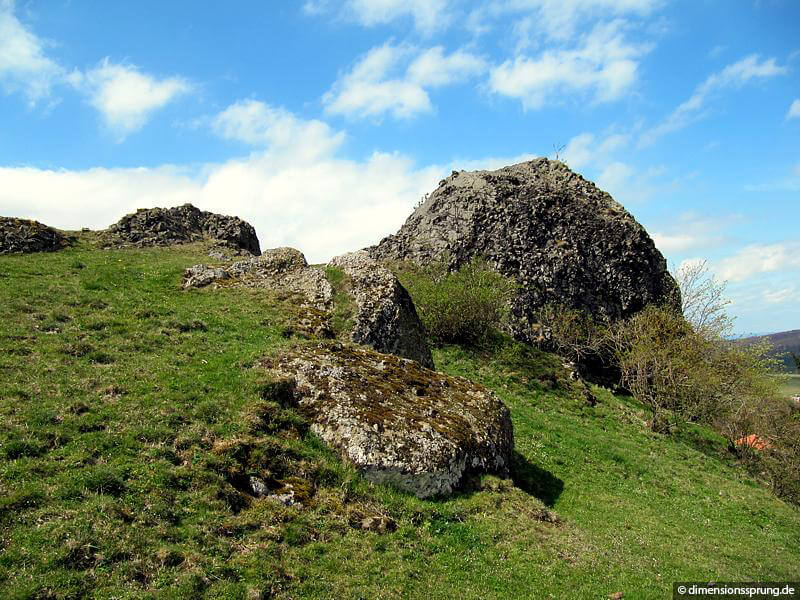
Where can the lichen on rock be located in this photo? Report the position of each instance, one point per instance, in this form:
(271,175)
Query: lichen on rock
(385,319)
(562,239)
(397,422)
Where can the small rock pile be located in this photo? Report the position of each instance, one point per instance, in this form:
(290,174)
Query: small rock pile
(179,225)
(21,236)
(397,422)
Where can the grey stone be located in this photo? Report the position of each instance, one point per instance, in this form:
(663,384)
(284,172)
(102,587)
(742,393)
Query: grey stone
(179,225)
(21,236)
(258,487)
(396,421)
(564,241)
(385,318)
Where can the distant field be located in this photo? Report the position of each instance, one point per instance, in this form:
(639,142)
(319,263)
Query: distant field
(791,385)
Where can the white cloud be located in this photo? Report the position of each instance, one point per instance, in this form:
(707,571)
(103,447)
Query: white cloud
(582,150)
(24,67)
(782,295)
(794,110)
(259,124)
(125,96)
(603,66)
(428,15)
(554,19)
(761,258)
(378,85)
(692,231)
(733,76)
(294,192)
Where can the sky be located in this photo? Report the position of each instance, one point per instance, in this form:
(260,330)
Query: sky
(324,122)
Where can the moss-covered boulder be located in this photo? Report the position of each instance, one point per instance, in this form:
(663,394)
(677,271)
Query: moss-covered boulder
(398,423)
(21,236)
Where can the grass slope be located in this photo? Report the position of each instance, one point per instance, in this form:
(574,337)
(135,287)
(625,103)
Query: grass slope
(130,416)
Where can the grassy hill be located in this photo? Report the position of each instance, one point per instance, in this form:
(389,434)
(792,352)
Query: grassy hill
(131,412)
(783,345)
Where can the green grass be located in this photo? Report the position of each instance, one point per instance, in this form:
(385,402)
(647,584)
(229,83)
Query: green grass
(790,384)
(130,417)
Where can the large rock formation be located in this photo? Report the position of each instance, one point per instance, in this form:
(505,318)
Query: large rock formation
(179,225)
(564,240)
(398,423)
(385,318)
(383,315)
(23,236)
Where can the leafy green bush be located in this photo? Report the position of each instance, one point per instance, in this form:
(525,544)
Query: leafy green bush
(467,306)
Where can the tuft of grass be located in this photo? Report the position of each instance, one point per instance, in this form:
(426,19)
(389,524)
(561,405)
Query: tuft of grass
(343,308)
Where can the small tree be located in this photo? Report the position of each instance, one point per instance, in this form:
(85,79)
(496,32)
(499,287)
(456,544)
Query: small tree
(702,300)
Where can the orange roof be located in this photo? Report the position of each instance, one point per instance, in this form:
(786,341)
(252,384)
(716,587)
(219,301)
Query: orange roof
(753,441)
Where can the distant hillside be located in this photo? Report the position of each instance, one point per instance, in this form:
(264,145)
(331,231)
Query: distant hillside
(784,344)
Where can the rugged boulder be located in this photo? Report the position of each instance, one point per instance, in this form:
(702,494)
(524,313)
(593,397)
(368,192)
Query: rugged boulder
(179,225)
(383,315)
(23,236)
(398,423)
(385,318)
(564,240)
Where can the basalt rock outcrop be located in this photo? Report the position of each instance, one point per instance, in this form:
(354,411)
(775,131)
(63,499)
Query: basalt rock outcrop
(179,225)
(564,240)
(20,236)
(385,318)
(397,422)
(383,315)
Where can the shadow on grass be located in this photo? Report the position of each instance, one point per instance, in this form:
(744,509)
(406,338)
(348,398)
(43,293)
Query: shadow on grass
(534,480)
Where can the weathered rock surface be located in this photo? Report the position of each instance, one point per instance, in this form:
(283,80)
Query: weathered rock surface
(179,225)
(564,240)
(283,269)
(23,236)
(385,318)
(398,423)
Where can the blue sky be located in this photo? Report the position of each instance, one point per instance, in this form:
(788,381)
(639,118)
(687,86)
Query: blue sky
(323,122)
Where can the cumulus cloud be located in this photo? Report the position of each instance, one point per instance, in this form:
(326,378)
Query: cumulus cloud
(259,124)
(559,19)
(603,66)
(125,96)
(761,258)
(428,15)
(736,75)
(294,187)
(394,80)
(24,66)
(794,110)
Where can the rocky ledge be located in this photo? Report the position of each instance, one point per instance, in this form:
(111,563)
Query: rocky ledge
(179,225)
(21,236)
(381,313)
(398,423)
